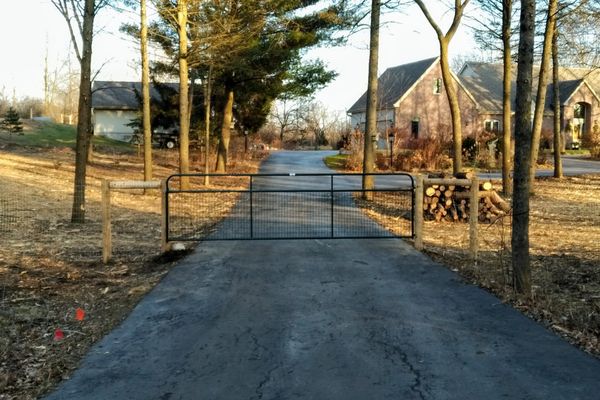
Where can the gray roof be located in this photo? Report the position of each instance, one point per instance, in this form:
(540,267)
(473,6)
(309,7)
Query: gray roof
(484,82)
(122,95)
(394,83)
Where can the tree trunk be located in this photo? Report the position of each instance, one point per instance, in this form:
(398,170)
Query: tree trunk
(145,93)
(184,127)
(85,114)
(506,91)
(451,94)
(520,231)
(540,100)
(207,106)
(371,121)
(558,171)
(225,134)
(454,106)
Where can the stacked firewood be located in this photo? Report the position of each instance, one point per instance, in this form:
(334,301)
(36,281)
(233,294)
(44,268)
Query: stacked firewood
(450,202)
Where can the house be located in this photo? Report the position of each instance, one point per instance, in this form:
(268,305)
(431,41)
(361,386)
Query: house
(578,93)
(116,104)
(412,100)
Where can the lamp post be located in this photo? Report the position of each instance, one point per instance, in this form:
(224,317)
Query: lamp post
(245,140)
(391,140)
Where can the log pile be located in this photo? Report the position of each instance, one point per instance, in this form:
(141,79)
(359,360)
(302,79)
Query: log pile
(447,199)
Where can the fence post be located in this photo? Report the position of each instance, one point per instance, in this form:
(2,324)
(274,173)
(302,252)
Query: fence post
(473,218)
(106,223)
(164,245)
(418,213)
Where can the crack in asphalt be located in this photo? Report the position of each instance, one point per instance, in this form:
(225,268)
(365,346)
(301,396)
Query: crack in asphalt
(267,378)
(392,352)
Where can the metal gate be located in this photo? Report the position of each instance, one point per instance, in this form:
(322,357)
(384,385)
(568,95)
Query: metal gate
(288,206)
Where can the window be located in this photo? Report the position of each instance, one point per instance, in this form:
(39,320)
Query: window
(437,86)
(492,125)
(414,128)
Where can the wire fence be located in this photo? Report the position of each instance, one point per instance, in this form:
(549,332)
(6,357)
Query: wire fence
(293,206)
(35,222)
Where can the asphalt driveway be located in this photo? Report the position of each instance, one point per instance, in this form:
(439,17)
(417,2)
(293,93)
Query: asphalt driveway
(326,319)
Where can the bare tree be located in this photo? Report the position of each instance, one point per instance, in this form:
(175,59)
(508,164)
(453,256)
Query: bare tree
(371,118)
(444,42)
(557,139)
(540,100)
(80,19)
(507,14)
(520,225)
(145,92)
(184,121)
(495,32)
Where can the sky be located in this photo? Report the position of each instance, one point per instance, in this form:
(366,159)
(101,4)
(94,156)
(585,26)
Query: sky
(405,37)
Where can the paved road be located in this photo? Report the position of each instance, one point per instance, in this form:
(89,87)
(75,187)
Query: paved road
(572,165)
(317,319)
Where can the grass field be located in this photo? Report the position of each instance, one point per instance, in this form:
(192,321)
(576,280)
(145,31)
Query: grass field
(49,134)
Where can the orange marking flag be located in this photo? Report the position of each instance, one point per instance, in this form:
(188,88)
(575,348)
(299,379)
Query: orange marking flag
(79,314)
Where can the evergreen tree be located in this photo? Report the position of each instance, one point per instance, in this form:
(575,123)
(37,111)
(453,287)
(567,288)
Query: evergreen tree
(12,121)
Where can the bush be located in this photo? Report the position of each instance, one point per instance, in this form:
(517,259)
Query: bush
(418,154)
(354,148)
(594,141)
(12,121)
(469,148)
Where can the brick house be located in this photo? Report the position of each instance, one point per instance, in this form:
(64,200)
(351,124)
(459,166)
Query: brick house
(578,93)
(412,99)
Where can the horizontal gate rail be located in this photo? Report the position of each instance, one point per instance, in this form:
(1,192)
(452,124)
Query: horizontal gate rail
(288,206)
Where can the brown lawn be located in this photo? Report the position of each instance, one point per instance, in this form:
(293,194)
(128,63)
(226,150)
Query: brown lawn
(49,267)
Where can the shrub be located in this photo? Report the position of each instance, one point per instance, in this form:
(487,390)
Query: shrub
(355,149)
(417,154)
(594,141)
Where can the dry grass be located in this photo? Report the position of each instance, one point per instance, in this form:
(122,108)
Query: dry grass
(565,251)
(50,267)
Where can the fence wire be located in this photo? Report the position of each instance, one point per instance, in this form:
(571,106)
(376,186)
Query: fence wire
(303,206)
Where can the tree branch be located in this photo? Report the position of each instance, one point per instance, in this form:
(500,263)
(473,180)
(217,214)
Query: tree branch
(432,22)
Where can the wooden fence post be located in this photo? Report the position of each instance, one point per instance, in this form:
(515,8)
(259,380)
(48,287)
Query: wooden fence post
(106,223)
(418,212)
(164,245)
(474,218)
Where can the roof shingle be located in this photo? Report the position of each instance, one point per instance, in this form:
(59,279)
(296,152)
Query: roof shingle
(394,83)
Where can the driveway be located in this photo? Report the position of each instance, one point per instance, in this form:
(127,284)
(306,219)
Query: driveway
(326,319)
(572,166)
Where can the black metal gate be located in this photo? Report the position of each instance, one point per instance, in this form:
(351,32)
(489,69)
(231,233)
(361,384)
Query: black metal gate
(288,206)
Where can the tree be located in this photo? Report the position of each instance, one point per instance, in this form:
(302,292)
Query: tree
(558,171)
(80,18)
(495,32)
(507,17)
(12,121)
(184,121)
(146,126)
(540,100)
(444,42)
(520,225)
(579,31)
(371,117)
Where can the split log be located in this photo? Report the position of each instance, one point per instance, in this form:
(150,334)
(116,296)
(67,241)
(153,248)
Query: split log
(464,175)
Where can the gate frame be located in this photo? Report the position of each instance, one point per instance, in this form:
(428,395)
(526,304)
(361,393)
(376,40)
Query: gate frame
(250,190)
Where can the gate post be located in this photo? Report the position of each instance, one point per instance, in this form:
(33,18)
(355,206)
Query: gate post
(164,213)
(473,218)
(418,213)
(106,224)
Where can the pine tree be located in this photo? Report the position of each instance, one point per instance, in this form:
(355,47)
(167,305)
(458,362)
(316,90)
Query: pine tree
(12,121)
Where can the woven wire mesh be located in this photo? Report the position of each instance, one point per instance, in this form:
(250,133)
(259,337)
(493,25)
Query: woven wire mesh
(292,207)
(35,223)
